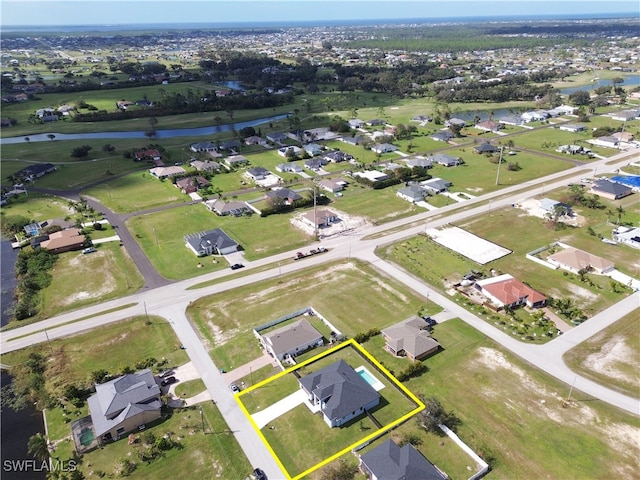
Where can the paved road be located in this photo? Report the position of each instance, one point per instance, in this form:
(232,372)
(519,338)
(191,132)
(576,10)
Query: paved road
(171,300)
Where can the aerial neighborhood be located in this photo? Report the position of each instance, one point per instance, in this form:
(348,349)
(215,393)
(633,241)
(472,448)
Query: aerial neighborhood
(339,252)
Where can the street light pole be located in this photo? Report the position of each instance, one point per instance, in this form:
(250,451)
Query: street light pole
(499,163)
(202,418)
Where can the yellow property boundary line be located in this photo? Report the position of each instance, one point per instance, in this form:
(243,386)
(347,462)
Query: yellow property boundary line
(349,343)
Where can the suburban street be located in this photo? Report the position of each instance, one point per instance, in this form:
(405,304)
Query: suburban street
(171,299)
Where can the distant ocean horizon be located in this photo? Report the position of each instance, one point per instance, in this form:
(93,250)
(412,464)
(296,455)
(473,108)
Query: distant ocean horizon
(304,23)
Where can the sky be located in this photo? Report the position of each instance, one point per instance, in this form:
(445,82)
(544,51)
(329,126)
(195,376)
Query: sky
(102,12)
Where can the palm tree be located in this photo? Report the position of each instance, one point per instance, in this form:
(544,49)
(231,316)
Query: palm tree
(38,446)
(620,212)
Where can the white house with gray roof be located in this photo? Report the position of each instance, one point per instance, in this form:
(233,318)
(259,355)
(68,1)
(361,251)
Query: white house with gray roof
(211,242)
(291,340)
(122,405)
(340,393)
(412,193)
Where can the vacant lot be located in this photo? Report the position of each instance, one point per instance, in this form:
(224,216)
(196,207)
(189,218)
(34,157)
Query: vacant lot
(350,295)
(80,280)
(611,357)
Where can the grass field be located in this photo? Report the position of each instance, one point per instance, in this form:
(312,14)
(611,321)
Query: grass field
(225,321)
(36,206)
(80,280)
(611,357)
(166,249)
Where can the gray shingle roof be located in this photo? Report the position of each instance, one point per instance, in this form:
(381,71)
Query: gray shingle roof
(391,462)
(341,389)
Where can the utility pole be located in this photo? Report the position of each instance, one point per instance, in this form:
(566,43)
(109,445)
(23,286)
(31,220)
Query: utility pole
(315,212)
(499,163)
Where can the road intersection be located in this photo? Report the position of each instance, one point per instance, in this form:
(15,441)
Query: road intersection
(170,301)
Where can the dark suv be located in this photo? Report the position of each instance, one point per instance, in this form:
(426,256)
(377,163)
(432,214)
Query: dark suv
(259,474)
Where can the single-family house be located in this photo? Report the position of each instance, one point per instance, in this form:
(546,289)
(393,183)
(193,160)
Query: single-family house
(489,126)
(573,149)
(611,190)
(484,148)
(35,170)
(256,173)
(627,235)
(576,260)
(445,160)
(573,127)
(166,172)
(203,147)
(124,404)
(236,160)
(315,163)
(230,145)
(313,149)
(320,218)
(514,120)
(441,136)
(376,122)
(504,291)
(458,122)
(388,461)
(419,162)
(355,140)
(291,340)
(276,137)
(554,207)
(337,156)
(192,184)
(123,104)
(372,175)
(333,185)
(562,110)
(421,118)
(623,136)
(534,116)
(410,338)
(253,140)
(290,151)
(384,148)
(289,167)
(412,193)
(340,393)
(211,242)
(626,115)
(356,123)
(147,154)
(222,208)
(207,166)
(64,241)
(44,112)
(283,195)
(435,185)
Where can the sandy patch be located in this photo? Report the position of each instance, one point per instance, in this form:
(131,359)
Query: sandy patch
(583,293)
(607,360)
(532,207)
(346,223)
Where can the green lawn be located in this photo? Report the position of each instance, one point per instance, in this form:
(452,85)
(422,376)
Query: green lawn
(166,249)
(314,439)
(135,192)
(36,206)
(378,206)
(189,388)
(611,357)
(226,320)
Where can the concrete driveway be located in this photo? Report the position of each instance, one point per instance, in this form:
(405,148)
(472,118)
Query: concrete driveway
(279,408)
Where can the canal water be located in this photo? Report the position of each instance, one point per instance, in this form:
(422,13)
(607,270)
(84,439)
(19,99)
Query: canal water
(17,427)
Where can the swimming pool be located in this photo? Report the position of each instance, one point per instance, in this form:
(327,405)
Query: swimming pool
(628,180)
(368,377)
